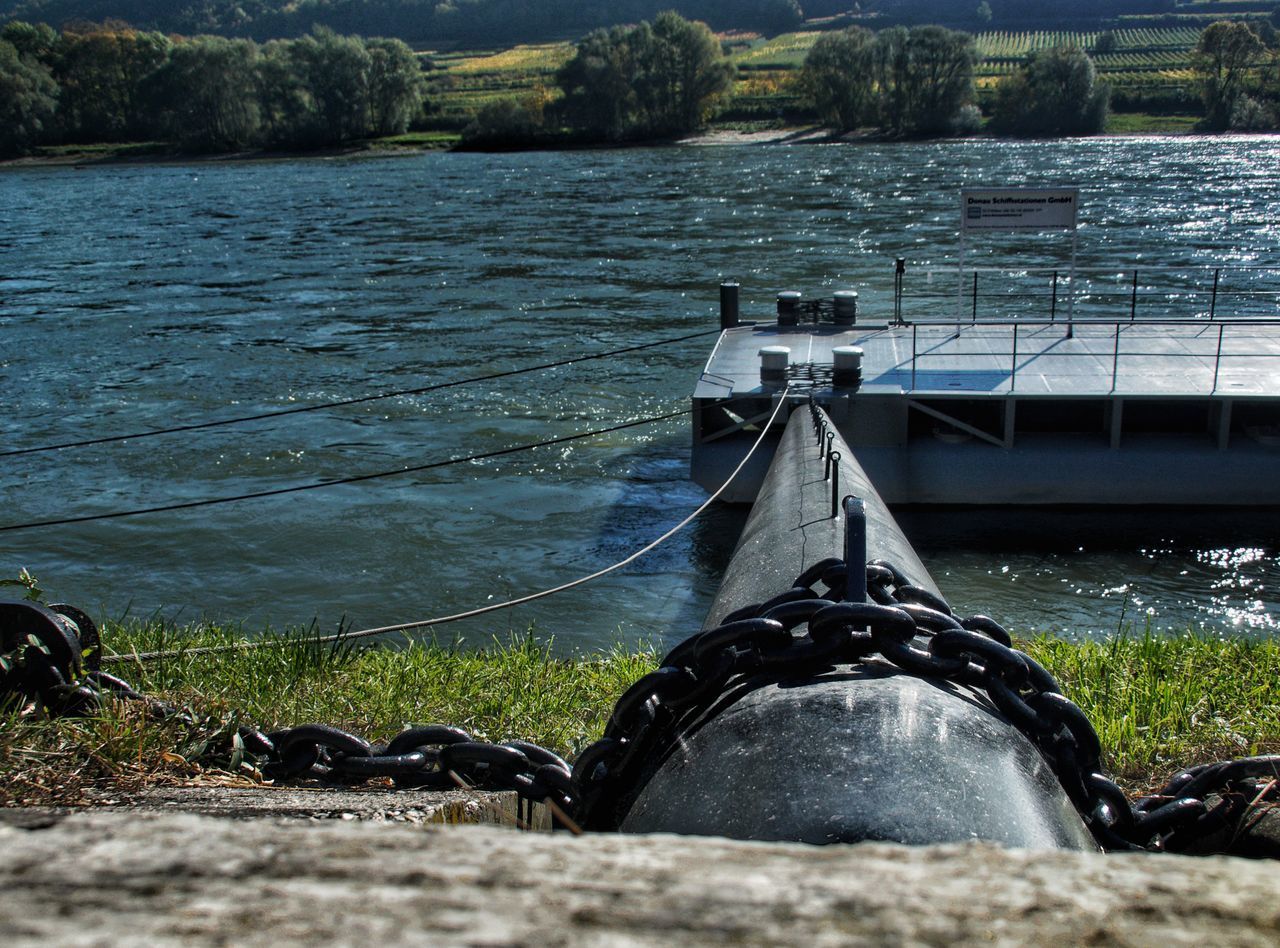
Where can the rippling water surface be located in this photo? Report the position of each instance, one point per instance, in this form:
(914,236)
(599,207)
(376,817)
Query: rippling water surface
(136,297)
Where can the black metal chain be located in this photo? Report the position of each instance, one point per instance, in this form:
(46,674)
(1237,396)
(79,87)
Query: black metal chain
(43,661)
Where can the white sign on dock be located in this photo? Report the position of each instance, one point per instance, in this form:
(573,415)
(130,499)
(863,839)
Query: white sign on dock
(1019,208)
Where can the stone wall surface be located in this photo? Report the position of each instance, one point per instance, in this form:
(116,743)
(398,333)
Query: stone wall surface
(100,878)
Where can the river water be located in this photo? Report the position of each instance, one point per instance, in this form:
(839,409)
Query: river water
(134,297)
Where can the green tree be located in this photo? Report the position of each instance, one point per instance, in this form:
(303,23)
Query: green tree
(598,82)
(690,71)
(396,88)
(36,41)
(646,81)
(207,94)
(101,70)
(913,82)
(1251,115)
(505,124)
(838,76)
(288,110)
(892,77)
(924,77)
(1226,52)
(323,89)
(336,71)
(939,80)
(1055,93)
(28,99)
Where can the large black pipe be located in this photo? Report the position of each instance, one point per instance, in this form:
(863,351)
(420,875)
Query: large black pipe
(848,753)
(790,527)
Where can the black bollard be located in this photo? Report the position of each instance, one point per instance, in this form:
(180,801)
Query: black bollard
(728,305)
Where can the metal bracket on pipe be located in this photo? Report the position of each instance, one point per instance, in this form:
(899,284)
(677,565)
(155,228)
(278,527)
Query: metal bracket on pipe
(855,549)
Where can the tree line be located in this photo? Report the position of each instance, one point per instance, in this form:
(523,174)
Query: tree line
(207,93)
(499,22)
(654,80)
(920,82)
(667,78)
(436,22)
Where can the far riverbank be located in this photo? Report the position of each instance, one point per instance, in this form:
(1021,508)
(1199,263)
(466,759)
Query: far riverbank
(1124,125)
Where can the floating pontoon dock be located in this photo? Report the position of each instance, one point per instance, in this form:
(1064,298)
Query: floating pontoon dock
(1009,411)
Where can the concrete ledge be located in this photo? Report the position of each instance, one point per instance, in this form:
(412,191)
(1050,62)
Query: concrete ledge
(308,803)
(112,878)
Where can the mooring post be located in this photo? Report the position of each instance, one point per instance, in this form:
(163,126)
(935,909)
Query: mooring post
(728,305)
(855,549)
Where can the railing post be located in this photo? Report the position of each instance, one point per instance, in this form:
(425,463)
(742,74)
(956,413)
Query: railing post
(1115,359)
(973,319)
(1133,300)
(1217,359)
(914,328)
(1053,301)
(1013,373)
(1213,303)
(899,270)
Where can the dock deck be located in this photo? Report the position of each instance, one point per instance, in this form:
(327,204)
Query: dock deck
(1170,412)
(1167,359)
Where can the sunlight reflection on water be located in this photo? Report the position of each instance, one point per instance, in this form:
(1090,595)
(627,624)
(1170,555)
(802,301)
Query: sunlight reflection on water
(184,293)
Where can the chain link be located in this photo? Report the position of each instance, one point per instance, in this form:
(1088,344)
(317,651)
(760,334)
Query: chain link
(801,631)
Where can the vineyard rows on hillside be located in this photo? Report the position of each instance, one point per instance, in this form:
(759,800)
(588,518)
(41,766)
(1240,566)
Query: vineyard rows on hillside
(1001,45)
(768,69)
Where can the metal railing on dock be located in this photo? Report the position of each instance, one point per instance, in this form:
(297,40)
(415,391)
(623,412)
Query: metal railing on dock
(1111,293)
(1203,352)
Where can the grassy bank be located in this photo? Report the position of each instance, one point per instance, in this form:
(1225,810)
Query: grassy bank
(1146,123)
(1158,703)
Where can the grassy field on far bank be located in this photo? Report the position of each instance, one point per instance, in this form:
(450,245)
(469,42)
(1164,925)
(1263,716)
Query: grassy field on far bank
(1158,703)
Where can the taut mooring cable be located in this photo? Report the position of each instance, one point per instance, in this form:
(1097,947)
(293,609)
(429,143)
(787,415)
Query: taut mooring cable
(354,479)
(197,426)
(507,604)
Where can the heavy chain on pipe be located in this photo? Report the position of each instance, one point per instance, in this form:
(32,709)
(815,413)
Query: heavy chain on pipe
(801,631)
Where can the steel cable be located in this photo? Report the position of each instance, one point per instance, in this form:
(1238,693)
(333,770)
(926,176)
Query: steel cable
(353,479)
(351,401)
(470,613)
